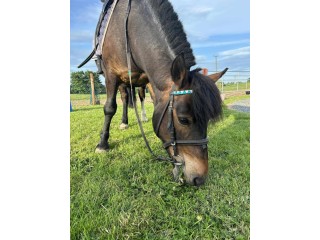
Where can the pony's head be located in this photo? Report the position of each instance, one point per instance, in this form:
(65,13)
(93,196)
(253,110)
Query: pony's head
(182,127)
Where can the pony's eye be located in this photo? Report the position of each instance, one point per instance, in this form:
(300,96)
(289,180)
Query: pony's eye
(184,121)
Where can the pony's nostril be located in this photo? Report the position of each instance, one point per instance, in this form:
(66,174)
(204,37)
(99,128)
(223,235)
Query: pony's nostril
(198,181)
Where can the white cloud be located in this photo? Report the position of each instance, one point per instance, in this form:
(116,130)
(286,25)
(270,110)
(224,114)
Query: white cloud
(206,17)
(201,58)
(204,21)
(202,10)
(237,59)
(82,36)
(244,51)
(89,14)
(214,43)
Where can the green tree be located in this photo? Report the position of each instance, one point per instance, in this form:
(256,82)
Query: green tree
(80,83)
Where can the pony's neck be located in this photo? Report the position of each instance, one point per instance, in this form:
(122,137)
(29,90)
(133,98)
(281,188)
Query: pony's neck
(162,95)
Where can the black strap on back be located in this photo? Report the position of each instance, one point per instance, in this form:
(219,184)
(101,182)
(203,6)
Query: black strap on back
(88,58)
(105,8)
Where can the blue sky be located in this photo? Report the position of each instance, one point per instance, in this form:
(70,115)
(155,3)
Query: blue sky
(214,28)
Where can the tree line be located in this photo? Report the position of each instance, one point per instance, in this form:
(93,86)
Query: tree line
(80,83)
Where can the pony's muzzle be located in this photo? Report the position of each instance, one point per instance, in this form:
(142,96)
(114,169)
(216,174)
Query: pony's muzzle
(198,181)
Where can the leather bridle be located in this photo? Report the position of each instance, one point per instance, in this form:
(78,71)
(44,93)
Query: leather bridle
(177,160)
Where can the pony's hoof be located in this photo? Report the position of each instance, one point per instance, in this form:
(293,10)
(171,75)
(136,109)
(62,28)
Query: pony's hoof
(101,150)
(123,126)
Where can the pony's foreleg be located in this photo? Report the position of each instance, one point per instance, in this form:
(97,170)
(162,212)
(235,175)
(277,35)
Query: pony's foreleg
(110,108)
(125,100)
(142,96)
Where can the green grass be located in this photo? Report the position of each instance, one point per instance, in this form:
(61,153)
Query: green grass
(83,96)
(125,194)
(232,99)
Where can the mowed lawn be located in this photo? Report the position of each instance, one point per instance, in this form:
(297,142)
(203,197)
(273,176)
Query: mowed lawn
(125,194)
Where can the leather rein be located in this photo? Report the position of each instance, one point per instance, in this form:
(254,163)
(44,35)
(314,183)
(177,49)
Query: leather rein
(175,159)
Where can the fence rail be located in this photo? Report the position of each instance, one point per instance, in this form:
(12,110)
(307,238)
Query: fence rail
(233,81)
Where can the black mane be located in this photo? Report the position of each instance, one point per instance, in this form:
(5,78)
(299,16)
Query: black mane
(173,30)
(206,100)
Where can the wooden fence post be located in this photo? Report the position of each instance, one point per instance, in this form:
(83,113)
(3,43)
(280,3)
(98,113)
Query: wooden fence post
(92,89)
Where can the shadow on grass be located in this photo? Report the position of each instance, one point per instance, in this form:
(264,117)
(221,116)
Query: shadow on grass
(88,108)
(81,110)
(240,108)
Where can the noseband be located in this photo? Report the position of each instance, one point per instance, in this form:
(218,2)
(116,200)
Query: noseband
(177,160)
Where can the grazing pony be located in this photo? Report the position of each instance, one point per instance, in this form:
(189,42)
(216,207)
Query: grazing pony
(184,100)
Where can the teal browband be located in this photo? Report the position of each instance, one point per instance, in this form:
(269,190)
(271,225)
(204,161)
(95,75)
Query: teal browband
(183,92)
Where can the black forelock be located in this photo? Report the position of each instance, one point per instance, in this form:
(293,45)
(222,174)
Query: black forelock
(206,100)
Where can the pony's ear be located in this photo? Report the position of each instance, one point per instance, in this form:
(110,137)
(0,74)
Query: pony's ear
(179,70)
(216,76)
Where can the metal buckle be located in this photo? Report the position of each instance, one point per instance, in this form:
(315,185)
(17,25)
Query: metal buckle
(178,160)
(173,143)
(178,163)
(178,174)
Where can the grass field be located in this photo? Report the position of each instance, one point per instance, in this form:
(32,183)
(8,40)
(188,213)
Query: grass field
(125,194)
